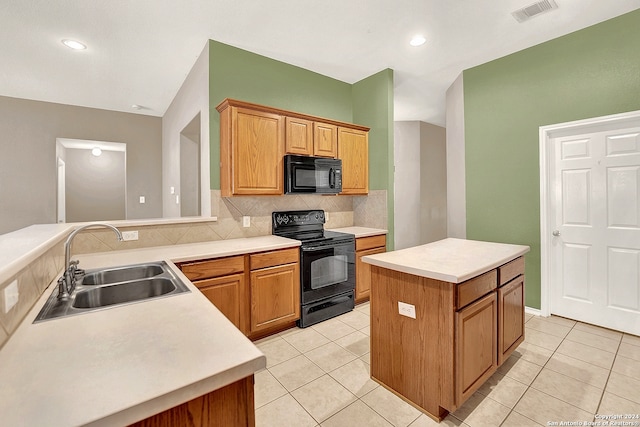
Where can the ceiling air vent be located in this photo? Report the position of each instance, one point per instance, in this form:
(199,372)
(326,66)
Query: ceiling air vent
(534,9)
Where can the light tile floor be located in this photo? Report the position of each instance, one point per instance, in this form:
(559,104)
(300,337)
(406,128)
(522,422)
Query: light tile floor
(564,371)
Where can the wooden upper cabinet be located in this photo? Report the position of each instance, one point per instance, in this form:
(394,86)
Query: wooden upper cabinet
(251,151)
(254,139)
(353,150)
(299,136)
(325,140)
(309,138)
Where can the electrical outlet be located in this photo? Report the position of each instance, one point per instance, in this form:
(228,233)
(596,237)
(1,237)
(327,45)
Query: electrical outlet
(407,309)
(129,235)
(246,221)
(177,199)
(326,216)
(11,296)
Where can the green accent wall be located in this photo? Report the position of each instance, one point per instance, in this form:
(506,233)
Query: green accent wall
(373,107)
(589,73)
(239,74)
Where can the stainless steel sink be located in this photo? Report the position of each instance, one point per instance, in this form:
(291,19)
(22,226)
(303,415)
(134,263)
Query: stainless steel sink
(124,292)
(105,288)
(122,274)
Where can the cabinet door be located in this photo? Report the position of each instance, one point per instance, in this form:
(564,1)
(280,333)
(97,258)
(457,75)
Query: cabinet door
(258,148)
(353,150)
(275,296)
(363,274)
(476,343)
(510,318)
(299,136)
(226,293)
(325,140)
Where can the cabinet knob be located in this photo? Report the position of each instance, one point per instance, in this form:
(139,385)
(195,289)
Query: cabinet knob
(556,233)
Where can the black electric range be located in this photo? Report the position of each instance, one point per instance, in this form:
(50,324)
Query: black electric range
(327,264)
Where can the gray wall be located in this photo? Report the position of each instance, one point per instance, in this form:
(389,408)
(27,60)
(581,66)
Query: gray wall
(191,101)
(433,183)
(456,187)
(406,180)
(95,186)
(420,183)
(28,132)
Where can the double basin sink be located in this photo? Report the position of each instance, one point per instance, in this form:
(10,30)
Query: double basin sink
(108,287)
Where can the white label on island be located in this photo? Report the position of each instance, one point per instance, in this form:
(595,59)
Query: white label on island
(407,309)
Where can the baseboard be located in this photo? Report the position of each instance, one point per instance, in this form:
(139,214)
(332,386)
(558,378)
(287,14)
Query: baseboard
(534,311)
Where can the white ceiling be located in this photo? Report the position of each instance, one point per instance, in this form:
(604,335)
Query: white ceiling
(140,51)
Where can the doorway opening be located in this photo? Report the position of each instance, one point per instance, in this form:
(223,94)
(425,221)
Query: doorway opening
(190,169)
(91,180)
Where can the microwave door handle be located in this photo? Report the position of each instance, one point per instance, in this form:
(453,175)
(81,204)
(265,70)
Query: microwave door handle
(332,178)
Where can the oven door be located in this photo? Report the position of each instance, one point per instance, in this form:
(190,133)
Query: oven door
(327,271)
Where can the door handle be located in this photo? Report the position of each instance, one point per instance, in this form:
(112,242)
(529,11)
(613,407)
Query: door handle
(332,178)
(556,233)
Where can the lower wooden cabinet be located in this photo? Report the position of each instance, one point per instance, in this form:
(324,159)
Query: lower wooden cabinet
(510,318)
(275,290)
(226,293)
(258,292)
(366,246)
(476,343)
(275,296)
(232,405)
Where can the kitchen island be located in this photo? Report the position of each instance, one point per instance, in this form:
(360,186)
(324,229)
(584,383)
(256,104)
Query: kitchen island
(444,316)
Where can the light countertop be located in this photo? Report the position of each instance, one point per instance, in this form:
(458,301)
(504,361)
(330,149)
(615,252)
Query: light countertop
(450,260)
(123,364)
(360,231)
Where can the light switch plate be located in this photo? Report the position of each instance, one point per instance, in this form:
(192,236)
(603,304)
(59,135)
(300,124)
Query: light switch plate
(11,296)
(246,221)
(142,199)
(407,309)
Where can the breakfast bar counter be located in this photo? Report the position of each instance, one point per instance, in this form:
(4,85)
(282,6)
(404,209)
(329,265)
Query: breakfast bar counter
(121,365)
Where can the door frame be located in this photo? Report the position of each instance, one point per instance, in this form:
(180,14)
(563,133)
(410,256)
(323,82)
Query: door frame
(547,134)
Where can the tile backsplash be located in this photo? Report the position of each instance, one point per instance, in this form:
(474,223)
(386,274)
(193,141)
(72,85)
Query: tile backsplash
(344,211)
(32,281)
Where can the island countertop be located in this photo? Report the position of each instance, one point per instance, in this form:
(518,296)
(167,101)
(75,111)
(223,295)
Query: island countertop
(450,260)
(122,364)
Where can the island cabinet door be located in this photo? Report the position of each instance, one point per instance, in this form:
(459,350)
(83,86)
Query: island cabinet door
(476,343)
(510,318)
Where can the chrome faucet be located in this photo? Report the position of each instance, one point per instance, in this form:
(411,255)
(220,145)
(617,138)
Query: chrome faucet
(67,283)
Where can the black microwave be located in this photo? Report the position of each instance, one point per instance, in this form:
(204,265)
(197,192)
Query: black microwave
(305,174)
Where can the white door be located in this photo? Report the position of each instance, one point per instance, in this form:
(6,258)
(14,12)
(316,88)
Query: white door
(595,223)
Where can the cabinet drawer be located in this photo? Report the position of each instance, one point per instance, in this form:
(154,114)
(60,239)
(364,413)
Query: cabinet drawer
(469,291)
(269,259)
(213,267)
(510,270)
(364,243)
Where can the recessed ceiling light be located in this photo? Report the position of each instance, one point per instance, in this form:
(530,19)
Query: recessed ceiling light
(96,151)
(74,44)
(417,40)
